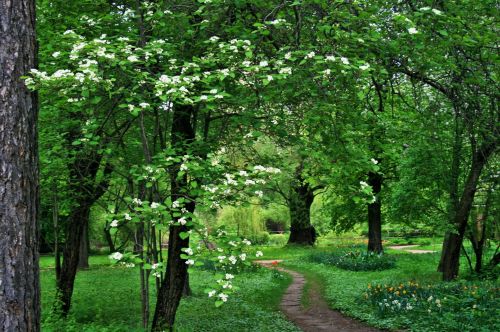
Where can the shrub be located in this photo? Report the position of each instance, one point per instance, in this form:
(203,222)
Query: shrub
(355,260)
(279,240)
(259,238)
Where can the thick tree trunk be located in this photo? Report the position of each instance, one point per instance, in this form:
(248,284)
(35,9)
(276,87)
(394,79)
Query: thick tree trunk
(83,256)
(173,285)
(375,214)
(450,262)
(19,271)
(300,201)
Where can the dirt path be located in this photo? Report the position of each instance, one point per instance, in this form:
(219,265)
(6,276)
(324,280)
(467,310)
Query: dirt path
(413,251)
(318,317)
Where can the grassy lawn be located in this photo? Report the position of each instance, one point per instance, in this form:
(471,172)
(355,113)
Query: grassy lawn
(107,298)
(345,290)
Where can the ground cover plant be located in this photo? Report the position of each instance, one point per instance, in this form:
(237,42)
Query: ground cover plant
(354,259)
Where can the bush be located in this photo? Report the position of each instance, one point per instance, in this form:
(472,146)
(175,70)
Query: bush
(259,238)
(457,306)
(278,240)
(355,260)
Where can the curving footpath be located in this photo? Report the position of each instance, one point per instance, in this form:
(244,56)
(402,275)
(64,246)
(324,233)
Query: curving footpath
(319,317)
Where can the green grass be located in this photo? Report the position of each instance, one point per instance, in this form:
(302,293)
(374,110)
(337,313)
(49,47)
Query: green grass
(106,298)
(345,290)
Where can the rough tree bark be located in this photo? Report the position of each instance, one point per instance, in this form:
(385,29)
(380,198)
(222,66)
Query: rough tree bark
(172,287)
(375,214)
(300,201)
(19,272)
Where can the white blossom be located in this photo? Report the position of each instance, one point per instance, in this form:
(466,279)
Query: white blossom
(259,254)
(116,255)
(223,297)
(114,223)
(365,66)
(132,58)
(310,55)
(412,31)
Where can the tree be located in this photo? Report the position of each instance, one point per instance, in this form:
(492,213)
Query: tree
(19,280)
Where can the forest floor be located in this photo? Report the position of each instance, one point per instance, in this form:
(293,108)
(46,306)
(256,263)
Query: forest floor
(317,316)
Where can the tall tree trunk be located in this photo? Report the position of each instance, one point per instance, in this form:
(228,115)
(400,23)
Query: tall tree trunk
(454,179)
(451,256)
(83,256)
(375,214)
(300,201)
(109,239)
(86,192)
(173,285)
(76,223)
(19,271)
(55,221)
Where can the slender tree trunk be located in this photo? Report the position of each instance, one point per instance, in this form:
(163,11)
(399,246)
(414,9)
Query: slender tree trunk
(55,221)
(83,259)
(300,201)
(173,285)
(19,271)
(375,214)
(109,240)
(454,179)
(75,226)
(451,256)
(83,184)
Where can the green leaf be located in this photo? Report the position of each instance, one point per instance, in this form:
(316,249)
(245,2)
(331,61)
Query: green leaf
(183,235)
